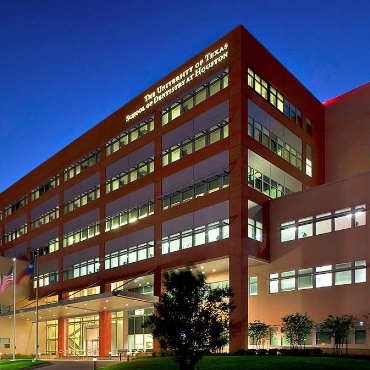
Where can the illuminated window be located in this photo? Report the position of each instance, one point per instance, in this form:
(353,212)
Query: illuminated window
(253,285)
(305,278)
(324,276)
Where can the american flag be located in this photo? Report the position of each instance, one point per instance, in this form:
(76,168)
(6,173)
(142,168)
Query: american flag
(7,280)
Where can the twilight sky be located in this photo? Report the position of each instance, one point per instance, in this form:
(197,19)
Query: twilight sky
(67,64)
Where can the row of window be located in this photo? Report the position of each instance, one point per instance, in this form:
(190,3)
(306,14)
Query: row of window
(14,234)
(82,200)
(274,143)
(317,277)
(275,98)
(81,165)
(196,143)
(82,269)
(128,216)
(44,188)
(193,237)
(129,136)
(45,218)
(80,235)
(141,170)
(323,223)
(129,255)
(266,185)
(202,93)
(15,206)
(196,190)
(111,223)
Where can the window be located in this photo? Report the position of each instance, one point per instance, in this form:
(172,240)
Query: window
(360,271)
(322,338)
(274,283)
(287,281)
(288,231)
(308,160)
(253,285)
(255,229)
(305,227)
(360,215)
(305,278)
(323,276)
(343,219)
(360,333)
(323,223)
(343,273)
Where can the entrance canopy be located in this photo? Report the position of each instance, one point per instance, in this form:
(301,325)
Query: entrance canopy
(89,305)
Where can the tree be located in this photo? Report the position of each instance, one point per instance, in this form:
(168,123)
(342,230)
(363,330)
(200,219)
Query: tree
(339,328)
(191,319)
(297,328)
(258,331)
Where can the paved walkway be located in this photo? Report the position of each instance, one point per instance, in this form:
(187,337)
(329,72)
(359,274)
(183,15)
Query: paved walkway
(78,364)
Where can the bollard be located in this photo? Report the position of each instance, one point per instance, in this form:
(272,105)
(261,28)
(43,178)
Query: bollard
(94,363)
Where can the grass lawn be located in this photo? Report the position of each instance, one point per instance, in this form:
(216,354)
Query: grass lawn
(250,362)
(19,364)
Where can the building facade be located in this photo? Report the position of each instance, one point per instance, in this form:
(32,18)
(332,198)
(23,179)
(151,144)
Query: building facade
(225,164)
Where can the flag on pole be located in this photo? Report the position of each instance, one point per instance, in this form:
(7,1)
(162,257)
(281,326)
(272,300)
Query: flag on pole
(24,276)
(7,280)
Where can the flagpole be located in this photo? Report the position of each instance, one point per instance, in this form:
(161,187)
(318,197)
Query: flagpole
(14,322)
(37,306)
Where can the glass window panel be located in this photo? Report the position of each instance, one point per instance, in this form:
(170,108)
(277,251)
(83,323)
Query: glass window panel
(274,283)
(176,111)
(175,243)
(200,96)
(305,278)
(360,215)
(200,142)
(360,271)
(200,236)
(253,285)
(186,239)
(343,219)
(287,281)
(305,227)
(323,223)
(323,276)
(288,231)
(213,235)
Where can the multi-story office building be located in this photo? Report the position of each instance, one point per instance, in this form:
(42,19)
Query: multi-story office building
(227,163)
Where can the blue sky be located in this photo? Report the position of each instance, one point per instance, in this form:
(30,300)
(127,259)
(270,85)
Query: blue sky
(67,64)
